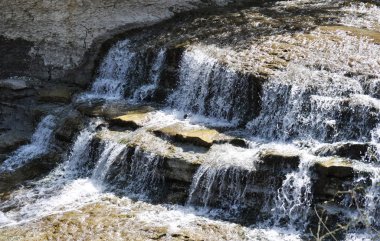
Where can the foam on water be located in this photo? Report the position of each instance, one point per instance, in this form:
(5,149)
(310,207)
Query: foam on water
(39,145)
(167,117)
(185,219)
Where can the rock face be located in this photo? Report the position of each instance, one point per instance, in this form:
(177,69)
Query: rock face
(45,39)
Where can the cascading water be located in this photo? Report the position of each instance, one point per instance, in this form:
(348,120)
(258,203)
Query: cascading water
(127,73)
(371,211)
(113,73)
(61,187)
(39,145)
(294,198)
(223,181)
(319,98)
(212,89)
(147,90)
(372,199)
(144,177)
(110,151)
(315,108)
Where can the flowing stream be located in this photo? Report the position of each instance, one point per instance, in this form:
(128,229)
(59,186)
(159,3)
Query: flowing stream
(234,188)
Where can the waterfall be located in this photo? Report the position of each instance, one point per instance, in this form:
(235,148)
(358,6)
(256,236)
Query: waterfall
(222,181)
(372,199)
(127,73)
(220,188)
(113,73)
(376,142)
(208,88)
(135,173)
(306,104)
(144,177)
(65,185)
(111,151)
(372,193)
(76,164)
(147,90)
(294,198)
(329,95)
(39,145)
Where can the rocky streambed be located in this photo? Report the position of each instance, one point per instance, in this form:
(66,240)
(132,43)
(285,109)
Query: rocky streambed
(246,123)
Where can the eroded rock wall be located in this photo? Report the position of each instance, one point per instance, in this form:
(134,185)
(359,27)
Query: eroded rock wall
(46,38)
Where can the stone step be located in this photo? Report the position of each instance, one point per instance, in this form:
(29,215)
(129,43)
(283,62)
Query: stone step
(349,150)
(107,110)
(133,119)
(280,158)
(199,136)
(335,167)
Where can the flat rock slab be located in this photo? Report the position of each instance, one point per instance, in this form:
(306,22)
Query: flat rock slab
(279,158)
(134,118)
(108,110)
(9,141)
(335,167)
(347,150)
(198,136)
(56,94)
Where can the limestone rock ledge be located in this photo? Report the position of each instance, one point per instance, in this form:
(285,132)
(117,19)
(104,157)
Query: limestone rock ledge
(47,38)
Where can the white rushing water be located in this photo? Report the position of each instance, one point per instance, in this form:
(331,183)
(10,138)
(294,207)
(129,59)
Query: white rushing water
(361,15)
(111,150)
(113,73)
(372,195)
(294,198)
(39,145)
(64,186)
(222,181)
(144,178)
(208,88)
(317,99)
(147,90)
